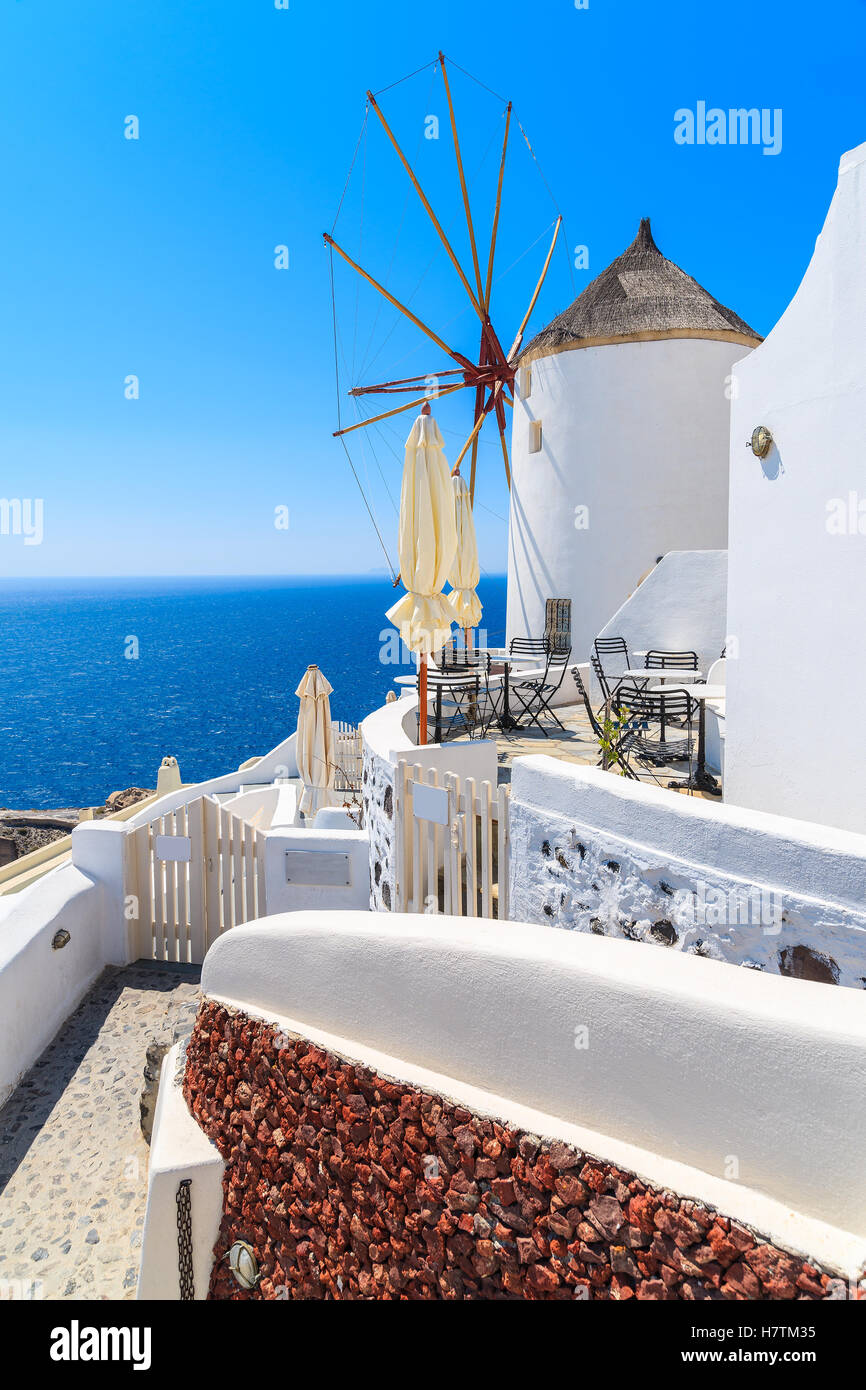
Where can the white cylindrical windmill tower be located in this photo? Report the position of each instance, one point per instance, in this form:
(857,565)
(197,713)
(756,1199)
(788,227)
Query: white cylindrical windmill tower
(621,440)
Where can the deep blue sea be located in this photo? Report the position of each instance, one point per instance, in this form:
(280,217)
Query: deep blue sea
(213,682)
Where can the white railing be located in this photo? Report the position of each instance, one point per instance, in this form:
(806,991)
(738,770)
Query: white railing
(191,875)
(452,844)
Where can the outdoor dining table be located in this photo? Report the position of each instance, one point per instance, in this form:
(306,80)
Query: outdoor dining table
(500,657)
(661,673)
(701,781)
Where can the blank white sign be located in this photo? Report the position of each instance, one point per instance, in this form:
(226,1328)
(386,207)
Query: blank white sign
(174,848)
(430,803)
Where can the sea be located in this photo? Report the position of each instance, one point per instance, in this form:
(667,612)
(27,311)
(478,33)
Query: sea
(101,678)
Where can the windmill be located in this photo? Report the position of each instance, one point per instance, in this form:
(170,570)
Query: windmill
(492,376)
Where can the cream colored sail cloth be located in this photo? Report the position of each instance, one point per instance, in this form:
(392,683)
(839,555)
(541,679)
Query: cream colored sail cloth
(315,754)
(427,541)
(465,571)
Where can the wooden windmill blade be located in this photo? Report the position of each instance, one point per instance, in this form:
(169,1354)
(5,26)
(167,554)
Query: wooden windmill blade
(492,376)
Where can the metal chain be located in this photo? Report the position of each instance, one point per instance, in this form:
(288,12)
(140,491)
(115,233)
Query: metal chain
(184,1241)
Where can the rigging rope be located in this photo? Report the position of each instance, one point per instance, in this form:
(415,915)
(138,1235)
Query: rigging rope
(351,168)
(394,576)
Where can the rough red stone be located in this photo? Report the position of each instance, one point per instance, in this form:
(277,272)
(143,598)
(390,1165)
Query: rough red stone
(352,1186)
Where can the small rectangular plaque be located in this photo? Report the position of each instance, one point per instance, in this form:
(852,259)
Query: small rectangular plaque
(318,868)
(430,803)
(174,849)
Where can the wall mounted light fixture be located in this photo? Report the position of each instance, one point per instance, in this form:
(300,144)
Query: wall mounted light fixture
(244,1265)
(760,442)
(60,939)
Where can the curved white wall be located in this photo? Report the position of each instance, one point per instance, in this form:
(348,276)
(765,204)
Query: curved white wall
(688,1061)
(639,434)
(680,606)
(798,541)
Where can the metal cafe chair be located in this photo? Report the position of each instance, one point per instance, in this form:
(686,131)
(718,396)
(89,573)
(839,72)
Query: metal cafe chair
(659,660)
(610,655)
(643,710)
(625,735)
(613,688)
(529,646)
(453,704)
(534,693)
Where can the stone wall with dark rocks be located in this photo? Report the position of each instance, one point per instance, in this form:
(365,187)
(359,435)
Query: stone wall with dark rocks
(352,1185)
(564,874)
(378,792)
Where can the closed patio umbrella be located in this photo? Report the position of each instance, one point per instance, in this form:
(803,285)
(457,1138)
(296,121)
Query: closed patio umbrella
(315,747)
(465,571)
(427,542)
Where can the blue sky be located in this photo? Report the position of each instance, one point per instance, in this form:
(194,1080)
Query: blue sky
(155,257)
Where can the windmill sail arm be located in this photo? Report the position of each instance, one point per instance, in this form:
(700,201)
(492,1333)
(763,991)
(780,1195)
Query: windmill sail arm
(532,303)
(413,318)
(428,208)
(409,405)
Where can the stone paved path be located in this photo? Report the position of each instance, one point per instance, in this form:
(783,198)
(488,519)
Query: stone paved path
(73,1163)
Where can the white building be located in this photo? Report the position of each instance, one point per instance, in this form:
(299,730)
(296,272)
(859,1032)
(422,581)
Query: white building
(798,541)
(620,441)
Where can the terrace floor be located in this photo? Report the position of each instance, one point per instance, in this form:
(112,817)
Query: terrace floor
(579,745)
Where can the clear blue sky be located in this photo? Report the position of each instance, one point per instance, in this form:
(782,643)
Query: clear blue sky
(155,257)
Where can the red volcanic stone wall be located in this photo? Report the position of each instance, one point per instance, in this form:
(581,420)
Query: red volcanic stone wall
(351,1185)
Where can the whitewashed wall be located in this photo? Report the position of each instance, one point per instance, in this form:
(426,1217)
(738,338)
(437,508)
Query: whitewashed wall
(680,606)
(592,852)
(797,600)
(319,847)
(687,1062)
(636,432)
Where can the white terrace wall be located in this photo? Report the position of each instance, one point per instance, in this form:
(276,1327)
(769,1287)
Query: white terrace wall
(40,985)
(688,1061)
(797,601)
(592,852)
(680,606)
(280,762)
(636,433)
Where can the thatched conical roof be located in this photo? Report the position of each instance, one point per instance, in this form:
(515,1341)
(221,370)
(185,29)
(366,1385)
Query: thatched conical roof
(641,295)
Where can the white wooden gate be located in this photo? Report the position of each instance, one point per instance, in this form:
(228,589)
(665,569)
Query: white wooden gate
(452,844)
(348,756)
(191,875)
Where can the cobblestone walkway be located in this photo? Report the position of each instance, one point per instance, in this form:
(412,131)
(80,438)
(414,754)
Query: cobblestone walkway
(73,1163)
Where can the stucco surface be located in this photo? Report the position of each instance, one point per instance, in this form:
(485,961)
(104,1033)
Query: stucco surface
(798,540)
(638,435)
(670,1039)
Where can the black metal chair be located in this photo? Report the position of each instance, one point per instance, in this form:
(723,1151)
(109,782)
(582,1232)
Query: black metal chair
(612,687)
(457,658)
(642,711)
(658,660)
(619,738)
(610,657)
(534,693)
(453,704)
(529,646)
